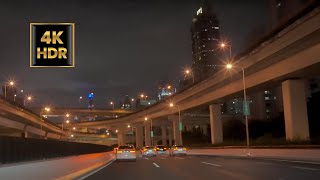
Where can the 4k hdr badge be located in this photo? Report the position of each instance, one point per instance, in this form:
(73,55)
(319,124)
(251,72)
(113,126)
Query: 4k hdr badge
(51,44)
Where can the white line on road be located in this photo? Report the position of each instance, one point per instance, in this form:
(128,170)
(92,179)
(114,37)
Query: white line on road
(178,158)
(156,165)
(211,164)
(305,168)
(95,171)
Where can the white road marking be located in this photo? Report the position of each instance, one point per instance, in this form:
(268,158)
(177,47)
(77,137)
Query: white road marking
(211,164)
(178,158)
(156,165)
(95,171)
(305,168)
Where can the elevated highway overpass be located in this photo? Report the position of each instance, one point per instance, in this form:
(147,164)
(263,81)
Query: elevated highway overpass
(17,121)
(286,58)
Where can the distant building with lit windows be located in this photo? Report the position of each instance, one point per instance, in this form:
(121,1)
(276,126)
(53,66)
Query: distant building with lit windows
(205,35)
(166,90)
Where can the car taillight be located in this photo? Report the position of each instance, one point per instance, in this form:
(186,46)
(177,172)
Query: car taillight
(157,148)
(175,148)
(132,151)
(184,148)
(119,151)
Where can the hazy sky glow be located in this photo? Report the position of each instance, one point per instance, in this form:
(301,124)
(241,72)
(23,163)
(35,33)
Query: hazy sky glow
(122,47)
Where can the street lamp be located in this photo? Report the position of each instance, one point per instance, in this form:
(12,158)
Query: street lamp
(189,72)
(111,103)
(245,104)
(47,109)
(10,83)
(28,98)
(80,99)
(180,125)
(151,130)
(224,45)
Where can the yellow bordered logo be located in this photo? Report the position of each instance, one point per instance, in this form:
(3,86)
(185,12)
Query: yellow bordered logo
(52,45)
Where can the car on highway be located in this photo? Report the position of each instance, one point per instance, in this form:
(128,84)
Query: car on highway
(178,150)
(161,149)
(148,151)
(127,152)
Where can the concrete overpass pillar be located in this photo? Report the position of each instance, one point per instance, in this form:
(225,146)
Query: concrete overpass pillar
(295,110)
(216,123)
(164,135)
(170,135)
(147,133)
(176,132)
(139,136)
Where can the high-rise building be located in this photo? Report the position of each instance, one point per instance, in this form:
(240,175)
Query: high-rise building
(205,34)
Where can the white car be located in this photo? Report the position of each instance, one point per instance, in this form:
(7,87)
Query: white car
(127,152)
(148,151)
(178,150)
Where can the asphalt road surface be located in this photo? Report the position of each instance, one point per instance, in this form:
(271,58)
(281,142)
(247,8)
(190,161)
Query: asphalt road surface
(196,167)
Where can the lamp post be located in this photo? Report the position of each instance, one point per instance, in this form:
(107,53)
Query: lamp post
(28,98)
(47,109)
(80,99)
(189,72)
(245,104)
(179,119)
(11,83)
(224,45)
(112,104)
(151,131)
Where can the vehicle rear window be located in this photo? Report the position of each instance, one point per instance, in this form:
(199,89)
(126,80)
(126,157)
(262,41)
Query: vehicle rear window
(126,147)
(149,147)
(160,146)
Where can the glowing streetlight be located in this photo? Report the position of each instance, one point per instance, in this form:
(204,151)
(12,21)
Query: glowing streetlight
(132,99)
(224,45)
(10,83)
(67,121)
(230,66)
(116,131)
(146,119)
(67,115)
(112,104)
(129,126)
(74,128)
(28,98)
(189,72)
(72,135)
(171,105)
(108,134)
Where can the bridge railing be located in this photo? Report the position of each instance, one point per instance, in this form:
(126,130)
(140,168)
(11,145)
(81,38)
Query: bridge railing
(15,149)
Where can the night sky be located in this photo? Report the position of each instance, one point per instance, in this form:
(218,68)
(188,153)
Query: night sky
(122,47)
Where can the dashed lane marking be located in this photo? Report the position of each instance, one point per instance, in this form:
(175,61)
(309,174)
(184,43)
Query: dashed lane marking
(305,168)
(156,165)
(211,164)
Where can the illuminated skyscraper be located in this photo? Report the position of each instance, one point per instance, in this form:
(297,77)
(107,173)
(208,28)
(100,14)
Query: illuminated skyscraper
(205,34)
